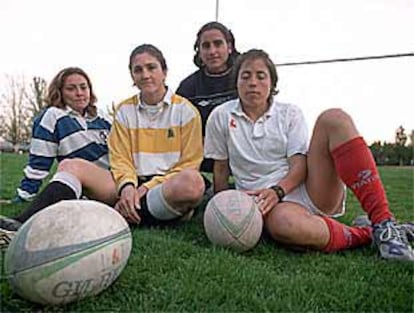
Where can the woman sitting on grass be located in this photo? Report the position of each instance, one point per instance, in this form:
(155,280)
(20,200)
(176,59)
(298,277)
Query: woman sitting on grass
(299,188)
(69,127)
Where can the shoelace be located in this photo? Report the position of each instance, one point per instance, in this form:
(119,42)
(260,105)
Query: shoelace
(393,231)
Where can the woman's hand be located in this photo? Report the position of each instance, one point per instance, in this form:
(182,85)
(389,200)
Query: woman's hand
(265,198)
(129,203)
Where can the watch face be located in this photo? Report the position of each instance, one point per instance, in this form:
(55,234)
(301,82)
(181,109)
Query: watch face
(279,191)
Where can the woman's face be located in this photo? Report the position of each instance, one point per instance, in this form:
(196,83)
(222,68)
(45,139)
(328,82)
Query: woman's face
(76,92)
(254,83)
(148,76)
(214,50)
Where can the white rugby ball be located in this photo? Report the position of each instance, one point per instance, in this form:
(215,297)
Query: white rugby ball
(233,220)
(68,251)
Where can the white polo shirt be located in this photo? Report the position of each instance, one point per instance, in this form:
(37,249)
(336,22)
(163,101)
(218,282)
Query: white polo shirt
(257,151)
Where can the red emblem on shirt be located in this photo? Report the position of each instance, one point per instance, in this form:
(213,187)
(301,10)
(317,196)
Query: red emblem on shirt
(232,123)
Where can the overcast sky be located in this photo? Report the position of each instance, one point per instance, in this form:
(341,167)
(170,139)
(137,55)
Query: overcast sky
(43,36)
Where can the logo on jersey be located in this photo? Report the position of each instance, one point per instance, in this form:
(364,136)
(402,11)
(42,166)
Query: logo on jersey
(217,100)
(232,123)
(203,103)
(170,133)
(103,136)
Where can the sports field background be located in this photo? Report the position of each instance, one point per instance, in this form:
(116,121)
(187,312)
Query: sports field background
(177,269)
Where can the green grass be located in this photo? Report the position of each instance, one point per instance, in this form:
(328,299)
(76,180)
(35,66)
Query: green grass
(177,269)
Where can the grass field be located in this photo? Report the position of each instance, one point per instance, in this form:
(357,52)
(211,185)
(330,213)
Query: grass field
(177,270)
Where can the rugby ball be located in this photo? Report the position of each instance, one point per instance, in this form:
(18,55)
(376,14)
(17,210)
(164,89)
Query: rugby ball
(68,251)
(233,220)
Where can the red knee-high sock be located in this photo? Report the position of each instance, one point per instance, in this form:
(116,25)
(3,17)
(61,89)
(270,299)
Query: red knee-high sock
(356,167)
(344,237)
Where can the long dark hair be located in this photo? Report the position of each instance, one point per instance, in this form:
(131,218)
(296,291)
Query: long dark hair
(228,35)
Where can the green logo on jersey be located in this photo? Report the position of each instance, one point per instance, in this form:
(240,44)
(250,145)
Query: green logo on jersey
(170,133)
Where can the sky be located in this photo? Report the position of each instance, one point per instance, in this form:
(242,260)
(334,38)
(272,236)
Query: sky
(39,38)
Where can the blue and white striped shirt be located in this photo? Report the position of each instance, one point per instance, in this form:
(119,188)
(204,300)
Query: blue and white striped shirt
(60,134)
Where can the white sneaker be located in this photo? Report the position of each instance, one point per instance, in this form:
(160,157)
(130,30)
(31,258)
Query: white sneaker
(391,240)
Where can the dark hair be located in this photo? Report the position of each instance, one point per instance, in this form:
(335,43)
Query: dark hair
(54,94)
(228,35)
(253,54)
(150,49)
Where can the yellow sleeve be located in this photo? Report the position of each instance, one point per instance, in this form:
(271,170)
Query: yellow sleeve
(191,151)
(120,155)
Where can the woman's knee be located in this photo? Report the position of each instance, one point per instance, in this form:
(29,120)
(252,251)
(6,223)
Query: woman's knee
(336,126)
(75,166)
(195,184)
(189,184)
(335,118)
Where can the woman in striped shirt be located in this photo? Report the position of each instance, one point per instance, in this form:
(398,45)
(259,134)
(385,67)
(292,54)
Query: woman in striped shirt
(69,127)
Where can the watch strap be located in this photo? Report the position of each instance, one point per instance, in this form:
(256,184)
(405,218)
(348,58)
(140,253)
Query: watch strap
(279,191)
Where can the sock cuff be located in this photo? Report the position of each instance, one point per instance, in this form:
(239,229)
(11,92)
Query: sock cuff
(158,205)
(348,146)
(329,223)
(69,180)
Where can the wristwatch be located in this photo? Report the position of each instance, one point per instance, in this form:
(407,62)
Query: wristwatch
(279,191)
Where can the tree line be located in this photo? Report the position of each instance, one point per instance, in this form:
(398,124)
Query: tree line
(400,152)
(20,103)
(23,100)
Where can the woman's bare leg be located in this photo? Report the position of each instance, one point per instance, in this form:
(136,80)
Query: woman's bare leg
(97,183)
(326,189)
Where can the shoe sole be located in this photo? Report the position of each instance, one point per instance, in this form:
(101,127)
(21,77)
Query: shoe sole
(6,237)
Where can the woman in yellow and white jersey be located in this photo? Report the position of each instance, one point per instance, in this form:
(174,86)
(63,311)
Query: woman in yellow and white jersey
(155,144)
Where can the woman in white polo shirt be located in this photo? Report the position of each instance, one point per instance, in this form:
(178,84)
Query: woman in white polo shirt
(299,188)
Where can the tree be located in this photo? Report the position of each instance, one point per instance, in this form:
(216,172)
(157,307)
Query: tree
(14,115)
(401,152)
(400,140)
(378,152)
(400,136)
(36,95)
(110,110)
(19,104)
